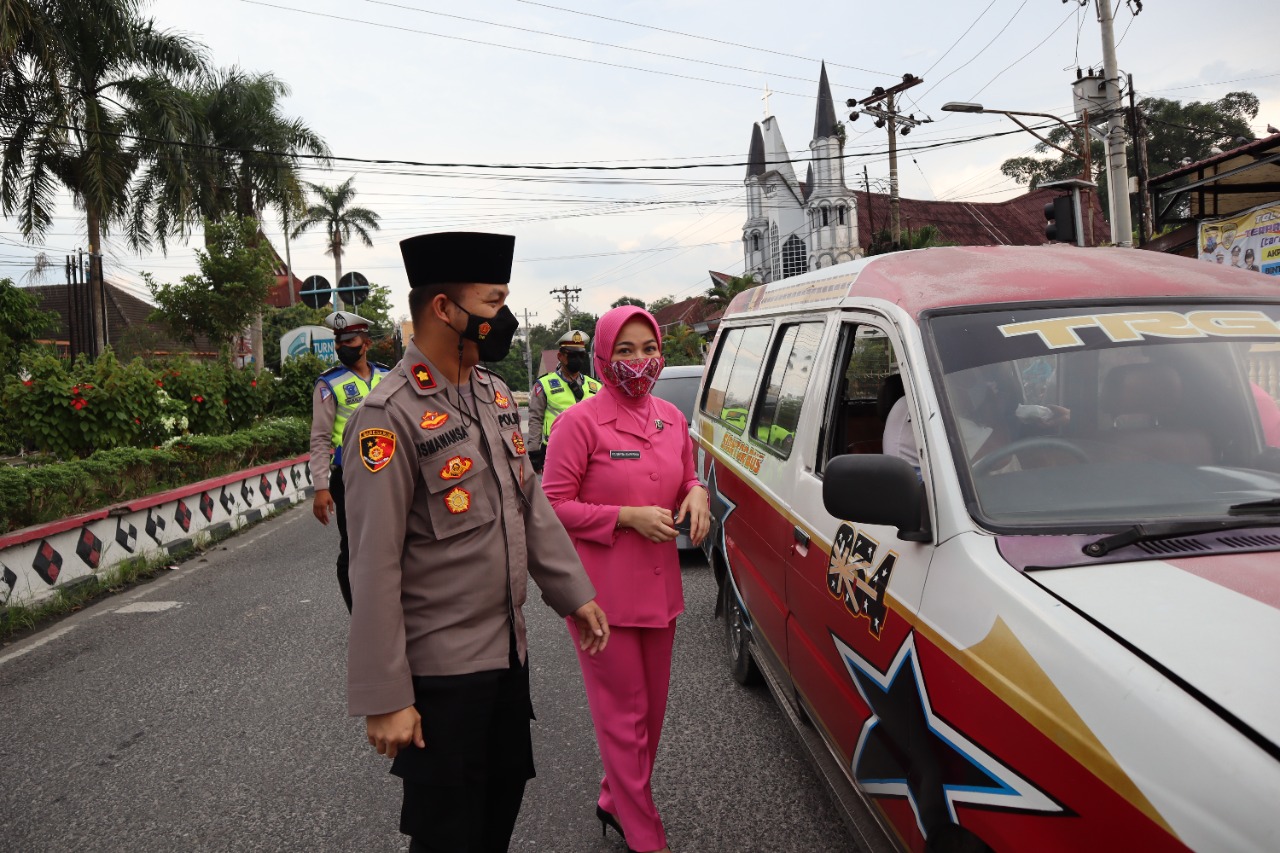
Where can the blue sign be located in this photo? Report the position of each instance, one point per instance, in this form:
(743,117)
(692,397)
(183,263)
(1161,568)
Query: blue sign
(324,349)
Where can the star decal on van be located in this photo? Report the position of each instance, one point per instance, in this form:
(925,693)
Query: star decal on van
(906,750)
(721,507)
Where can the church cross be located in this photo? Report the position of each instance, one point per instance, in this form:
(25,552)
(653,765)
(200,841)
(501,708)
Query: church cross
(767,93)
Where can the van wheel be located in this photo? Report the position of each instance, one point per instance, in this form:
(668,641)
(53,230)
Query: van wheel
(737,638)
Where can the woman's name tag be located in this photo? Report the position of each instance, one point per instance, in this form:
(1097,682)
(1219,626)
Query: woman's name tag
(624,454)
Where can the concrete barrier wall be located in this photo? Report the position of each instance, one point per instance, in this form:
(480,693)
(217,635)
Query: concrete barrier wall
(36,561)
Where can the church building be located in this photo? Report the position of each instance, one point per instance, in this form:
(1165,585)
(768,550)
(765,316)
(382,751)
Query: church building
(792,226)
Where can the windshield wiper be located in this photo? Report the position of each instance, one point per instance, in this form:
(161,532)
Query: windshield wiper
(1173,529)
(1256,507)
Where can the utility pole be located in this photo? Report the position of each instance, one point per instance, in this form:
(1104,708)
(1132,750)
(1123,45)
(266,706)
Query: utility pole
(1117,168)
(1139,133)
(569,294)
(288,258)
(528,346)
(871,220)
(888,116)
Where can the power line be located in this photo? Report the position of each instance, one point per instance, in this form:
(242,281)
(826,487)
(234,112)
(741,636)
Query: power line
(586,40)
(510,47)
(702,38)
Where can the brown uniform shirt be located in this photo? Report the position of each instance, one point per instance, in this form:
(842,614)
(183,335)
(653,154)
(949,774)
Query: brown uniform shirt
(442,541)
(324,411)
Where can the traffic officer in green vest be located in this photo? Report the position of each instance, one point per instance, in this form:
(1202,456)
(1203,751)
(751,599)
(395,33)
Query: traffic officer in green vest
(556,391)
(338,392)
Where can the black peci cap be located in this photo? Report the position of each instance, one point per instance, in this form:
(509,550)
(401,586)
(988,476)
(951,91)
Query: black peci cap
(458,257)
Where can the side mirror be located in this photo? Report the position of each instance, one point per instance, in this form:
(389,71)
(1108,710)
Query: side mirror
(877,489)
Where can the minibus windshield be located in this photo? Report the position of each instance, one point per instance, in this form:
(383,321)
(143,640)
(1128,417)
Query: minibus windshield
(1087,417)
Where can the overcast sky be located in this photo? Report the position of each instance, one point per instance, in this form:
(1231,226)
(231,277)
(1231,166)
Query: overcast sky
(494,82)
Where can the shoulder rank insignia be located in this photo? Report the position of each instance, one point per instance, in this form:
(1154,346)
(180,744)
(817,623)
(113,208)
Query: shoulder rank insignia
(537,390)
(455,468)
(517,440)
(458,500)
(377,446)
(503,402)
(433,420)
(422,375)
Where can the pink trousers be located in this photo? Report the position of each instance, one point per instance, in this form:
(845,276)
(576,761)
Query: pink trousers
(627,688)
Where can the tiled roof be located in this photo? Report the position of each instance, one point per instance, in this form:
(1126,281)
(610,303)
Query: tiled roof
(1016,222)
(124,311)
(1257,148)
(695,309)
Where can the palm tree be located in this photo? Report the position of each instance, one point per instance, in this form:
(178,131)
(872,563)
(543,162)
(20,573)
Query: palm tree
(340,220)
(921,238)
(247,159)
(86,121)
(721,295)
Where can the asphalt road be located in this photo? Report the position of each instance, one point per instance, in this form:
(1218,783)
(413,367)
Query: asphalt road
(204,712)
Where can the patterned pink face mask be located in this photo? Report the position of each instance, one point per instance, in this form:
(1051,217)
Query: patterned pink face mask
(635,377)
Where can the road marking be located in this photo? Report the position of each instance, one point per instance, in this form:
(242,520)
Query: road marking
(148,606)
(47,638)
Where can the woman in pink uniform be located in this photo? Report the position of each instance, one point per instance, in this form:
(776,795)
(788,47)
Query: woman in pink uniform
(621,476)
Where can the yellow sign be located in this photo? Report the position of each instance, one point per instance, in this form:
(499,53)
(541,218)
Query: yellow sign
(1248,241)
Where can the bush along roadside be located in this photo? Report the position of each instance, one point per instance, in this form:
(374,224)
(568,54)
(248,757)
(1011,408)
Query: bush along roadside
(40,493)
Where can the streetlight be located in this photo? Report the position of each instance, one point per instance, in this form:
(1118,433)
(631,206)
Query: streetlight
(1078,134)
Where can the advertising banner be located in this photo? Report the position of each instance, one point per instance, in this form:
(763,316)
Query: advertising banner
(316,339)
(1249,240)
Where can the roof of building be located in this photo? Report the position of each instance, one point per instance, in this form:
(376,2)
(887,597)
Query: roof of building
(755,158)
(1254,149)
(124,312)
(278,296)
(1017,221)
(824,120)
(952,276)
(688,312)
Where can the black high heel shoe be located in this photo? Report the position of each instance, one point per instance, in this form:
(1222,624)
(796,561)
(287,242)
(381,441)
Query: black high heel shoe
(607,820)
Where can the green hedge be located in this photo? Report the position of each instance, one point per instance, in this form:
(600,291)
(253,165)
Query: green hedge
(40,493)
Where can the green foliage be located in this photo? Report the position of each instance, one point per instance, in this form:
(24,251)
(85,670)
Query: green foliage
(721,295)
(661,302)
(72,409)
(24,322)
(627,300)
(682,345)
(512,369)
(920,238)
(277,321)
(340,220)
(292,392)
(40,493)
(236,275)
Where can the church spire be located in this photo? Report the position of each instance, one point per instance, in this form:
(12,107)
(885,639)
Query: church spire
(824,122)
(755,157)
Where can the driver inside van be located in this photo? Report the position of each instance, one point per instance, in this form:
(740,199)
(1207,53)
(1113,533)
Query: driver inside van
(990,413)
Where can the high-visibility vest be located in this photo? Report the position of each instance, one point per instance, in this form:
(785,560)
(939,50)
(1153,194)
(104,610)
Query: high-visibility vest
(560,397)
(348,390)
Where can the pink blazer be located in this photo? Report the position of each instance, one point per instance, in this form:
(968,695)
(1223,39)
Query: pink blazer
(596,463)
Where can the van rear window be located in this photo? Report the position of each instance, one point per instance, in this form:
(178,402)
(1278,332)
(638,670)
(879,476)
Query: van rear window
(734,375)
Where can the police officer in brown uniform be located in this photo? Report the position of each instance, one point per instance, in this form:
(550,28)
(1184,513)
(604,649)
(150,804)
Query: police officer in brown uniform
(446,522)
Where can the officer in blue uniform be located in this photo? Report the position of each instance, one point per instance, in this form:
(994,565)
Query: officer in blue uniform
(337,393)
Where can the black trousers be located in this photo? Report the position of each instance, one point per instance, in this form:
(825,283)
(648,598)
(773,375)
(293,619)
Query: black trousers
(339,494)
(462,793)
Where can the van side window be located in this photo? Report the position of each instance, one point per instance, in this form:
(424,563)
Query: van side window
(733,376)
(867,385)
(789,370)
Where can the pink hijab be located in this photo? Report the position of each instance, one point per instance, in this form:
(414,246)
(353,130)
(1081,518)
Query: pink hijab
(607,329)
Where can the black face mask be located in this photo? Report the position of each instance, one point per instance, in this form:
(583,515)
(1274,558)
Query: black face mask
(575,362)
(348,355)
(492,334)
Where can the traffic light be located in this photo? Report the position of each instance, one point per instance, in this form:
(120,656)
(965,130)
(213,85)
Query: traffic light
(1061,213)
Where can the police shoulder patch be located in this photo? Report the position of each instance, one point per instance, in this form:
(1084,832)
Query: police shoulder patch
(422,375)
(325,393)
(377,446)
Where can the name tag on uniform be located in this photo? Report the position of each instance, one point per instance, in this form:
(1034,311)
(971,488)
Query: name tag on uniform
(624,454)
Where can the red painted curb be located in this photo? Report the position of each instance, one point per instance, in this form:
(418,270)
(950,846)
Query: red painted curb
(50,528)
